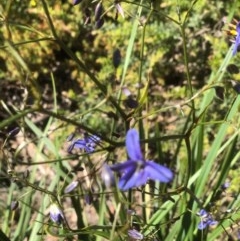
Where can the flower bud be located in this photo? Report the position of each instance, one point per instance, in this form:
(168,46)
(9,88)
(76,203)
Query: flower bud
(134,234)
(107,176)
(75,2)
(14,132)
(56,213)
(98,11)
(71,187)
(119,9)
(99,23)
(14,205)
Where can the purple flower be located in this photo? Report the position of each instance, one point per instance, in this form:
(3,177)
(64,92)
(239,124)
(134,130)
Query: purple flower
(88,143)
(136,171)
(134,234)
(56,213)
(206,219)
(237,39)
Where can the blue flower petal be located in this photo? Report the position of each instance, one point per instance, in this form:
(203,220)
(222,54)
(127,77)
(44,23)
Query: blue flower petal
(94,139)
(158,172)
(203,213)
(123,167)
(133,145)
(212,222)
(134,234)
(237,40)
(202,225)
(128,178)
(135,181)
(81,144)
(142,178)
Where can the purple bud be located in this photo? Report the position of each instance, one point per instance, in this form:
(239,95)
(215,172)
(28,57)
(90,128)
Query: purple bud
(56,213)
(133,233)
(202,213)
(99,23)
(126,91)
(88,198)
(75,2)
(14,132)
(131,212)
(119,9)
(70,137)
(71,187)
(14,205)
(131,103)
(225,185)
(107,176)
(98,11)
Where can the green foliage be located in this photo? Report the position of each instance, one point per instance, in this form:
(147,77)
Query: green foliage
(57,77)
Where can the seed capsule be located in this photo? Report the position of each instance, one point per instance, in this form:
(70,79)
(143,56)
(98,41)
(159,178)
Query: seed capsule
(116,58)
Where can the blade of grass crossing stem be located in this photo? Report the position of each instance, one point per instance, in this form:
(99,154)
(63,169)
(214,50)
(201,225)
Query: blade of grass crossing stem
(7,214)
(23,226)
(101,213)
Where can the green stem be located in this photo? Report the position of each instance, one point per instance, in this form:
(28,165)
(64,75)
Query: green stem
(16,117)
(185,56)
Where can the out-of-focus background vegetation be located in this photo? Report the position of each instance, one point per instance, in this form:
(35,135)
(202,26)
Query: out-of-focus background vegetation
(145,64)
